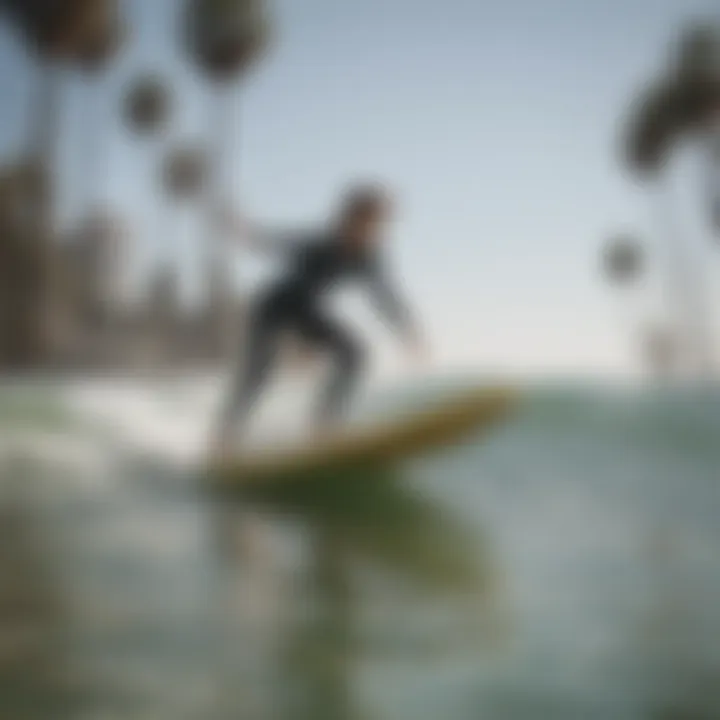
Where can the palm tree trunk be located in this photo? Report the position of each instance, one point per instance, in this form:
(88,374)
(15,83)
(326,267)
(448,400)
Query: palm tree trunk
(94,174)
(685,294)
(711,181)
(221,132)
(43,143)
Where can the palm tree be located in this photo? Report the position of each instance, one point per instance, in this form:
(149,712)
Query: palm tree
(225,39)
(147,109)
(79,32)
(681,103)
(147,105)
(623,259)
(623,265)
(183,174)
(93,59)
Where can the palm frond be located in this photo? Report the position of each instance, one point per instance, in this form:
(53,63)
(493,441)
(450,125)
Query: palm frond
(651,128)
(667,111)
(623,259)
(698,51)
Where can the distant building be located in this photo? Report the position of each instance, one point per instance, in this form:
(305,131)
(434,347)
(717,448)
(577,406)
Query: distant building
(221,313)
(25,269)
(86,271)
(96,254)
(61,304)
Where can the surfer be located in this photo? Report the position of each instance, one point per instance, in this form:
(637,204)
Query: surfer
(347,250)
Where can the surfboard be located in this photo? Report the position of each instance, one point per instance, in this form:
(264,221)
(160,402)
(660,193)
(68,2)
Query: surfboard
(437,425)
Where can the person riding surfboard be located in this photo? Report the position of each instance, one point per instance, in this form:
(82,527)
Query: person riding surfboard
(348,249)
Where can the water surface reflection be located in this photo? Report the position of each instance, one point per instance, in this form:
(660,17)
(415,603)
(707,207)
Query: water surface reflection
(565,568)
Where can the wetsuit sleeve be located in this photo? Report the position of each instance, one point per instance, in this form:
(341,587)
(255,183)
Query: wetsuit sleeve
(389,302)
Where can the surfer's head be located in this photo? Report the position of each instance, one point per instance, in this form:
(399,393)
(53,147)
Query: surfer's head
(364,211)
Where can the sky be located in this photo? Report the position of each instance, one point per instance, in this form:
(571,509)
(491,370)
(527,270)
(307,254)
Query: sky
(496,124)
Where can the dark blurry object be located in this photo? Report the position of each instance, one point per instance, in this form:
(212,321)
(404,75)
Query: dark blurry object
(147,105)
(184,172)
(623,259)
(651,127)
(75,30)
(699,51)
(226,37)
(23,258)
(21,192)
(683,104)
(684,100)
(664,113)
(100,49)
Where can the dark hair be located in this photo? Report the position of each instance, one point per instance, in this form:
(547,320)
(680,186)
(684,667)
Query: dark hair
(364,198)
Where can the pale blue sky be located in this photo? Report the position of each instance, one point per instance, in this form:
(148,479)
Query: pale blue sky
(495,122)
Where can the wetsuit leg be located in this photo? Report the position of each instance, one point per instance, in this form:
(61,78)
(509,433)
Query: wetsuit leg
(258,361)
(348,361)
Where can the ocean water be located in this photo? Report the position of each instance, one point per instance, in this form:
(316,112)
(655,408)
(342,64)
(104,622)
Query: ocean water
(591,517)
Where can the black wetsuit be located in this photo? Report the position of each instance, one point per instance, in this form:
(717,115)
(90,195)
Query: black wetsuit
(295,303)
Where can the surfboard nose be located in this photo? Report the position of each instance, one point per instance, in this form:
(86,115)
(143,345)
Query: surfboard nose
(437,426)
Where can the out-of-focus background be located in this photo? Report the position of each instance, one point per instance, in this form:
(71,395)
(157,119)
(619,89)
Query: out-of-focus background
(558,171)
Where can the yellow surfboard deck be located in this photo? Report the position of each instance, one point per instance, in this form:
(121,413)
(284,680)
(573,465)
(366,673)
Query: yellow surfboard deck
(439,424)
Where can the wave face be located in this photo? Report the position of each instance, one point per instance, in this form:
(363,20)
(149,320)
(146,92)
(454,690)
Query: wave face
(595,506)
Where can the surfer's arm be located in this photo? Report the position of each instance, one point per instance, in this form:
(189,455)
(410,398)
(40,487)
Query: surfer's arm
(253,237)
(392,306)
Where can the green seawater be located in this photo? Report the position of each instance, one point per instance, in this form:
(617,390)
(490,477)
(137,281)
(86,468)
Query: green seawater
(563,565)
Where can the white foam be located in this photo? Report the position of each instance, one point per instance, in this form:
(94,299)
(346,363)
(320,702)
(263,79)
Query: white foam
(173,418)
